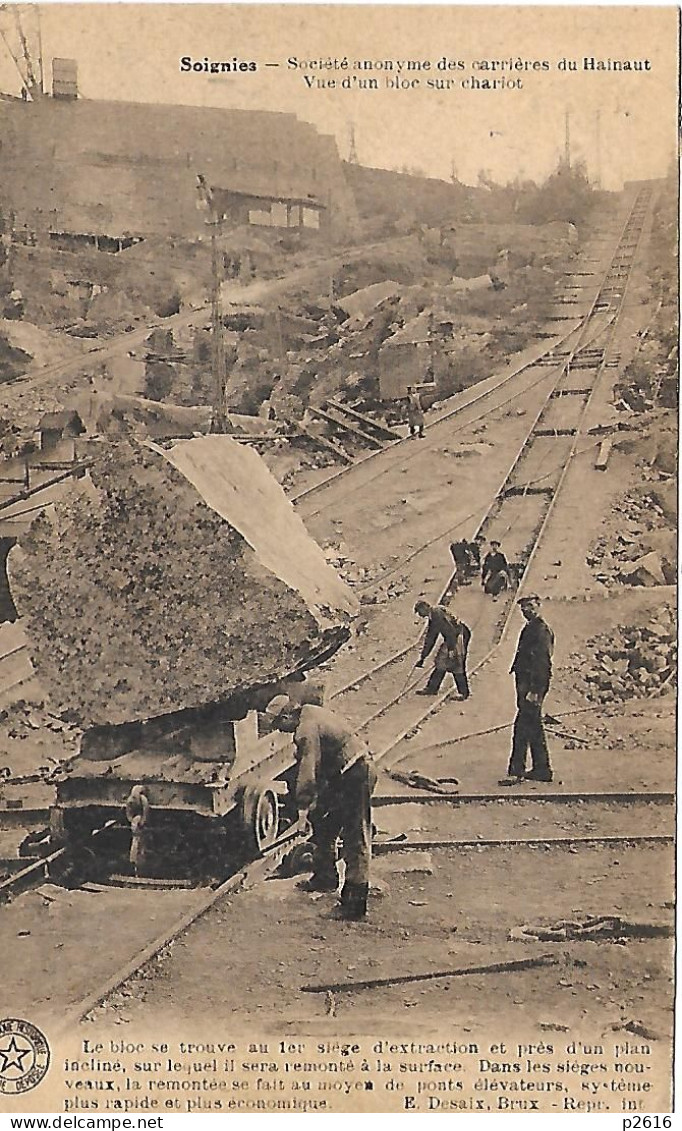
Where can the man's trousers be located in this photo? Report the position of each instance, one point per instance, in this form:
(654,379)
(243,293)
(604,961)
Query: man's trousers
(438,675)
(529,733)
(344,810)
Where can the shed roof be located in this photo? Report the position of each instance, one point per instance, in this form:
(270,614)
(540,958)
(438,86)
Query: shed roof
(52,421)
(221,195)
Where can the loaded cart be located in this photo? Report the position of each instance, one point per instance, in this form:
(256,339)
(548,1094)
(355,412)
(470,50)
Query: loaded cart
(165,600)
(217,789)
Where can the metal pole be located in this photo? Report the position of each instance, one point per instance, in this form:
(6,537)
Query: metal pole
(206,201)
(218,352)
(40,51)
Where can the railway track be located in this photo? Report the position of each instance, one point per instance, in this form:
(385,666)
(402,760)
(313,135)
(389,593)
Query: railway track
(364,469)
(521,514)
(258,871)
(524,501)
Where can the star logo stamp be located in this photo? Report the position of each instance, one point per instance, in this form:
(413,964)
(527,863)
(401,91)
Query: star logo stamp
(24,1056)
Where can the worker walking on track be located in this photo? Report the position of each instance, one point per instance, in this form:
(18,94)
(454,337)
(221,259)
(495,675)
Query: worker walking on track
(532,671)
(452,654)
(415,412)
(334,785)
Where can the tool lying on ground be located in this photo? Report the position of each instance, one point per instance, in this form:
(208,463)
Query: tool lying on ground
(547,719)
(554,726)
(401,980)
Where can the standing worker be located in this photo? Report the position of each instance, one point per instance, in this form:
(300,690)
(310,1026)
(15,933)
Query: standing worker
(415,412)
(532,671)
(495,571)
(452,654)
(334,785)
(137,814)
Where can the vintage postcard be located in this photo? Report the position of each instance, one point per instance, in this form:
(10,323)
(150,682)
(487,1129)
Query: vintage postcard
(338,534)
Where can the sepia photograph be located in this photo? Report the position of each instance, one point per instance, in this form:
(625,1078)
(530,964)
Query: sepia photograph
(339,379)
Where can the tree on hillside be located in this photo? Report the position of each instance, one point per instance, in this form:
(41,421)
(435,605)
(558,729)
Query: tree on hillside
(566,195)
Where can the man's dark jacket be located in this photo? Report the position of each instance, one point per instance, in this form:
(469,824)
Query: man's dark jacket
(532,664)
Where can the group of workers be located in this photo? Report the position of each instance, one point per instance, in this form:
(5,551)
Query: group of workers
(496,572)
(336,775)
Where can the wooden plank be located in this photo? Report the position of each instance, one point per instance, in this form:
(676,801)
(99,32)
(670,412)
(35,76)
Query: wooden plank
(404,979)
(601,462)
(362,419)
(326,416)
(335,449)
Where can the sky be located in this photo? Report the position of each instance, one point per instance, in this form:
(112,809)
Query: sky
(623,125)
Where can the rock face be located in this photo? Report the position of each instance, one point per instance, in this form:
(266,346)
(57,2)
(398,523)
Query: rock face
(141,599)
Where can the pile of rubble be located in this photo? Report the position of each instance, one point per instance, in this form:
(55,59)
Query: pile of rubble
(141,598)
(368,579)
(641,549)
(630,661)
(34,742)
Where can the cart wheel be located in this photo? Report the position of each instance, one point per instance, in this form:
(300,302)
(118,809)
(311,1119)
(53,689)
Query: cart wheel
(260,814)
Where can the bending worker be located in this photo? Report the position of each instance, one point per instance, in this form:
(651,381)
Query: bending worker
(334,786)
(452,654)
(462,559)
(532,671)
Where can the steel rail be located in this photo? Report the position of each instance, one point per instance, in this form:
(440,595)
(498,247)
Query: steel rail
(261,866)
(387,848)
(564,367)
(259,869)
(251,873)
(636,215)
(512,795)
(431,425)
(444,417)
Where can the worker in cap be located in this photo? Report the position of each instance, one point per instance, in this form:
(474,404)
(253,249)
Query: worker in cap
(451,656)
(334,785)
(495,571)
(532,671)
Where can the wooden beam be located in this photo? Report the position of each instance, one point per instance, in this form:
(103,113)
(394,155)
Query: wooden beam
(388,433)
(601,462)
(355,431)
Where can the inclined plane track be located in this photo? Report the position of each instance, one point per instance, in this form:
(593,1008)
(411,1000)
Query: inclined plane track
(519,511)
(525,499)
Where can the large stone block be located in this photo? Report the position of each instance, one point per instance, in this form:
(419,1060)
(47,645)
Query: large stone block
(153,588)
